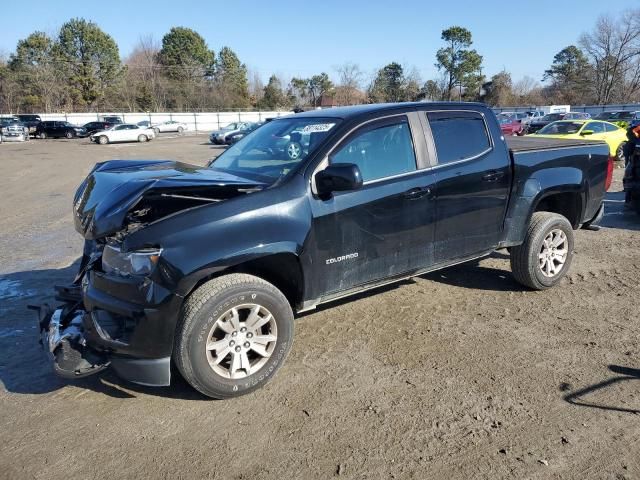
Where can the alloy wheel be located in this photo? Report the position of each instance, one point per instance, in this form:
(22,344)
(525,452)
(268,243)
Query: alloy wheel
(241,341)
(553,253)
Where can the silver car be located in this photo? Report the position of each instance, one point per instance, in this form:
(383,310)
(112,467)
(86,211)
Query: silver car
(219,137)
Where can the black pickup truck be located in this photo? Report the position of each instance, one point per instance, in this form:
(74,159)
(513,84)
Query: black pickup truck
(205,266)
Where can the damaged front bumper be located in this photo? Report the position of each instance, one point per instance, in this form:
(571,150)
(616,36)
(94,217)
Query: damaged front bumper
(108,321)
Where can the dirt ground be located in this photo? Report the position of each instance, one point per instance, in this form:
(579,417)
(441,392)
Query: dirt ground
(458,374)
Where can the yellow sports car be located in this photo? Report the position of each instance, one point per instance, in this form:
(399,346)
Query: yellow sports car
(613,135)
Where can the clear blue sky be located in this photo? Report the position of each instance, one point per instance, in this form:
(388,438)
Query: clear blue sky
(303,37)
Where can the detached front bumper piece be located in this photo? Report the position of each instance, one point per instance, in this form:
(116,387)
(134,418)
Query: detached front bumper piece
(62,337)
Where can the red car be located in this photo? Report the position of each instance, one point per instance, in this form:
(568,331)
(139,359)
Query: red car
(510,126)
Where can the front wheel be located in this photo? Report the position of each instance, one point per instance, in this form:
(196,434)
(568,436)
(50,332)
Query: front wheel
(68,135)
(180,130)
(42,135)
(545,256)
(103,140)
(142,138)
(234,334)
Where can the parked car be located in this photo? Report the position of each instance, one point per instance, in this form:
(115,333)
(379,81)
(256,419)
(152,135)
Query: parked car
(532,115)
(205,266)
(58,129)
(30,121)
(13,130)
(235,137)
(124,132)
(606,116)
(514,115)
(511,126)
(170,126)
(624,118)
(613,135)
(536,125)
(93,127)
(111,119)
(219,137)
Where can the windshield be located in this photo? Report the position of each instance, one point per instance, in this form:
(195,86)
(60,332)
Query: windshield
(561,128)
(604,116)
(622,116)
(551,117)
(505,120)
(273,150)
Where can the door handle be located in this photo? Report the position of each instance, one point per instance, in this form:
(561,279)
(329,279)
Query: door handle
(418,192)
(492,176)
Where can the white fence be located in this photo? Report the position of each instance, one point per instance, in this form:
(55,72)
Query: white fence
(203,121)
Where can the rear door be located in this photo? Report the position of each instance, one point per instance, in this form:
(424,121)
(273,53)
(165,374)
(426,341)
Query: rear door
(384,228)
(472,181)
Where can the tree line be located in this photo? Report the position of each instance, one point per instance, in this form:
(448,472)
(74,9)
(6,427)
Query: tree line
(80,69)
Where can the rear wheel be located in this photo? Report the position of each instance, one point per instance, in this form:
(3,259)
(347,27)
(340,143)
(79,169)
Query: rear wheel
(620,152)
(142,138)
(103,140)
(234,334)
(180,130)
(545,256)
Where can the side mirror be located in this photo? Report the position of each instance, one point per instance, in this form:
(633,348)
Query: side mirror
(587,132)
(338,177)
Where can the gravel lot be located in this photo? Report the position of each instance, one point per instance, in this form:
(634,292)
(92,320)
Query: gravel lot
(456,374)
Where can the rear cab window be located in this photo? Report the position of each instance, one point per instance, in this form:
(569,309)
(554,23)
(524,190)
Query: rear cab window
(459,136)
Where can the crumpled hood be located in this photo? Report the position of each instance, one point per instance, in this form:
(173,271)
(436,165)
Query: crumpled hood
(104,198)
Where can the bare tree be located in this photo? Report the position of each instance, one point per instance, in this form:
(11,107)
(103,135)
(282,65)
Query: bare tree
(613,47)
(350,79)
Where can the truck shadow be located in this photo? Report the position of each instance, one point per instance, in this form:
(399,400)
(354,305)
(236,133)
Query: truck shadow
(474,276)
(625,374)
(615,215)
(24,367)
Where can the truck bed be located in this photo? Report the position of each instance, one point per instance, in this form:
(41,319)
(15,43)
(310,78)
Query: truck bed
(529,144)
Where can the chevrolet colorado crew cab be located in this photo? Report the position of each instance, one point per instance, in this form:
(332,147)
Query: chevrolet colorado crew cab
(205,267)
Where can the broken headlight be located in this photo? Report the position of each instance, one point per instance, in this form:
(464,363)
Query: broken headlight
(139,262)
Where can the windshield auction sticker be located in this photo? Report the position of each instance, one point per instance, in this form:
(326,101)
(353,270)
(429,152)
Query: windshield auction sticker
(318,127)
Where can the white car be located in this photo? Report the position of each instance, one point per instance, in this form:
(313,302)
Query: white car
(125,132)
(170,126)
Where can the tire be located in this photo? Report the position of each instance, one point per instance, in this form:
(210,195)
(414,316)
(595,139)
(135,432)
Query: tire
(42,135)
(528,267)
(180,130)
(143,138)
(211,371)
(294,150)
(156,131)
(103,140)
(68,135)
(620,152)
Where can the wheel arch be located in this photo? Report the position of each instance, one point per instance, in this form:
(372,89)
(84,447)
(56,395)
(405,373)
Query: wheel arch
(543,192)
(282,269)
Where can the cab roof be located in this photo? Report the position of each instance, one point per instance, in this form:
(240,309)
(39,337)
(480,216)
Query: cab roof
(346,113)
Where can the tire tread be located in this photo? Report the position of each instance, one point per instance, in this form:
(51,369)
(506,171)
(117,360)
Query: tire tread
(194,303)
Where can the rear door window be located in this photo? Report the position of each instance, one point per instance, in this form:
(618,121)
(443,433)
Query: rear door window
(458,135)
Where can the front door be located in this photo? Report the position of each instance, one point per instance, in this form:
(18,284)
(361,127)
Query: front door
(473,177)
(386,227)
